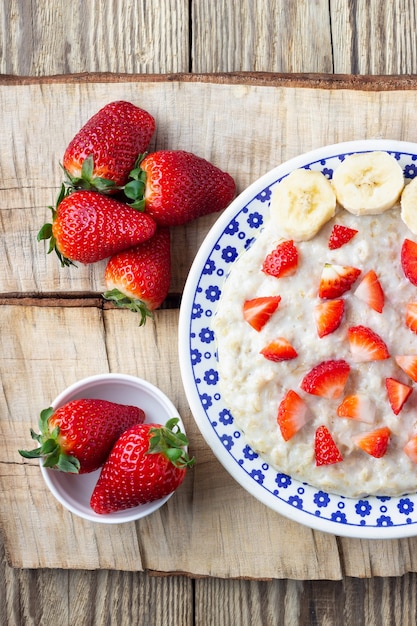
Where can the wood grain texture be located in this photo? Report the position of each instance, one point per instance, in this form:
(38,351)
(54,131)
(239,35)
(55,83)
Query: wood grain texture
(281,118)
(205,506)
(248,36)
(44,38)
(160,36)
(390,26)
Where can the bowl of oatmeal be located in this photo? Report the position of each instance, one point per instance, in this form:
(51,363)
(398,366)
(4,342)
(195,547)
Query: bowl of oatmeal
(236,393)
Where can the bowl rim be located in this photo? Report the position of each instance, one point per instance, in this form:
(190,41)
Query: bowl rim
(201,418)
(127,515)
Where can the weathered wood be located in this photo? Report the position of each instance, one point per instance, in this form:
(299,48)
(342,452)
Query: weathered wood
(279,120)
(43,38)
(303,603)
(207,503)
(374,37)
(262,36)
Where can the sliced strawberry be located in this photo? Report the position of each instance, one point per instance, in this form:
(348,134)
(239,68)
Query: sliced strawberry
(398,394)
(409,260)
(283,261)
(374,442)
(326,451)
(408,364)
(411,316)
(366,345)
(292,414)
(340,235)
(410,448)
(336,280)
(328,315)
(370,291)
(327,379)
(279,350)
(257,311)
(357,407)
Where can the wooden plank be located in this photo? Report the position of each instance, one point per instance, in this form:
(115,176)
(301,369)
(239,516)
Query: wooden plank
(41,355)
(279,119)
(374,37)
(261,36)
(302,603)
(209,504)
(63,597)
(45,38)
(206,503)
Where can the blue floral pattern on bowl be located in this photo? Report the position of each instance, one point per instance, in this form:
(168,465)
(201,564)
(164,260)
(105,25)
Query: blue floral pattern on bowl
(232,234)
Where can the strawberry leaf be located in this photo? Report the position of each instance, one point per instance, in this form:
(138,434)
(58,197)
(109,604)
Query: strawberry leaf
(136,187)
(87,180)
(49,449)
(46,233)
(122,301)
(169,441)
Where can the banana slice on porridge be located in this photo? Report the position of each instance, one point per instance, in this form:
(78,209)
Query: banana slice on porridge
(368,183)
(302,203)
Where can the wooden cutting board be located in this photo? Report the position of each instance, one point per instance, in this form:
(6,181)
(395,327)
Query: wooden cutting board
(55,328)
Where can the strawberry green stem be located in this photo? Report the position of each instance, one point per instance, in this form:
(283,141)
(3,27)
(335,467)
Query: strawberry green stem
(171,442)
(87,180)
(135,188)
(133,304)
(46,233)
(49,448)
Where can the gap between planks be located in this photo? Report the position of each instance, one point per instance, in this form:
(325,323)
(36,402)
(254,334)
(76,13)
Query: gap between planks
(82,300)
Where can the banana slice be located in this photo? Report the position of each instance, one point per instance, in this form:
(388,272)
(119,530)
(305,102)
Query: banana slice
(368,183)
(409,206)
(301,203)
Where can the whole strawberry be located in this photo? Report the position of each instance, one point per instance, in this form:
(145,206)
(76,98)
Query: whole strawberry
(147,462)
(105,150)
(88,226)
(78,436)
(138,279)
(175,187)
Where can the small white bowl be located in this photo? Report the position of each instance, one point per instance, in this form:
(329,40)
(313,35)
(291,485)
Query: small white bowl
(74,491)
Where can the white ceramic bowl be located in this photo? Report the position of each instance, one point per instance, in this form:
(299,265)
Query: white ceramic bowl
(74,491)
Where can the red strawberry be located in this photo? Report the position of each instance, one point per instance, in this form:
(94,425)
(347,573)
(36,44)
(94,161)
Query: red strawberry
(398,394)
(282,261)
(292,414)
(78,436)
(257,311)
(340,235)
(88,226)
(148,462)
(179,187)
(366,345)
(374,442)
(411,316)
(370,291)
(408,364)
(336,280)
(138,278)
(279,350)
(328,316)
(410,448)
(409,260)
(105,150)
(358,407)
(326,451)
(327,379)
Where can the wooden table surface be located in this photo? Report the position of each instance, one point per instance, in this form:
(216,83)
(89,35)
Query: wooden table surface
(164,38)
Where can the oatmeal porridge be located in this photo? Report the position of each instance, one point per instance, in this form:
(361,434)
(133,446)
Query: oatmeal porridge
(317,348)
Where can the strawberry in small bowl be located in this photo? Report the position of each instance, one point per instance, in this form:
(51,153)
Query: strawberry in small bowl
(83,450)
